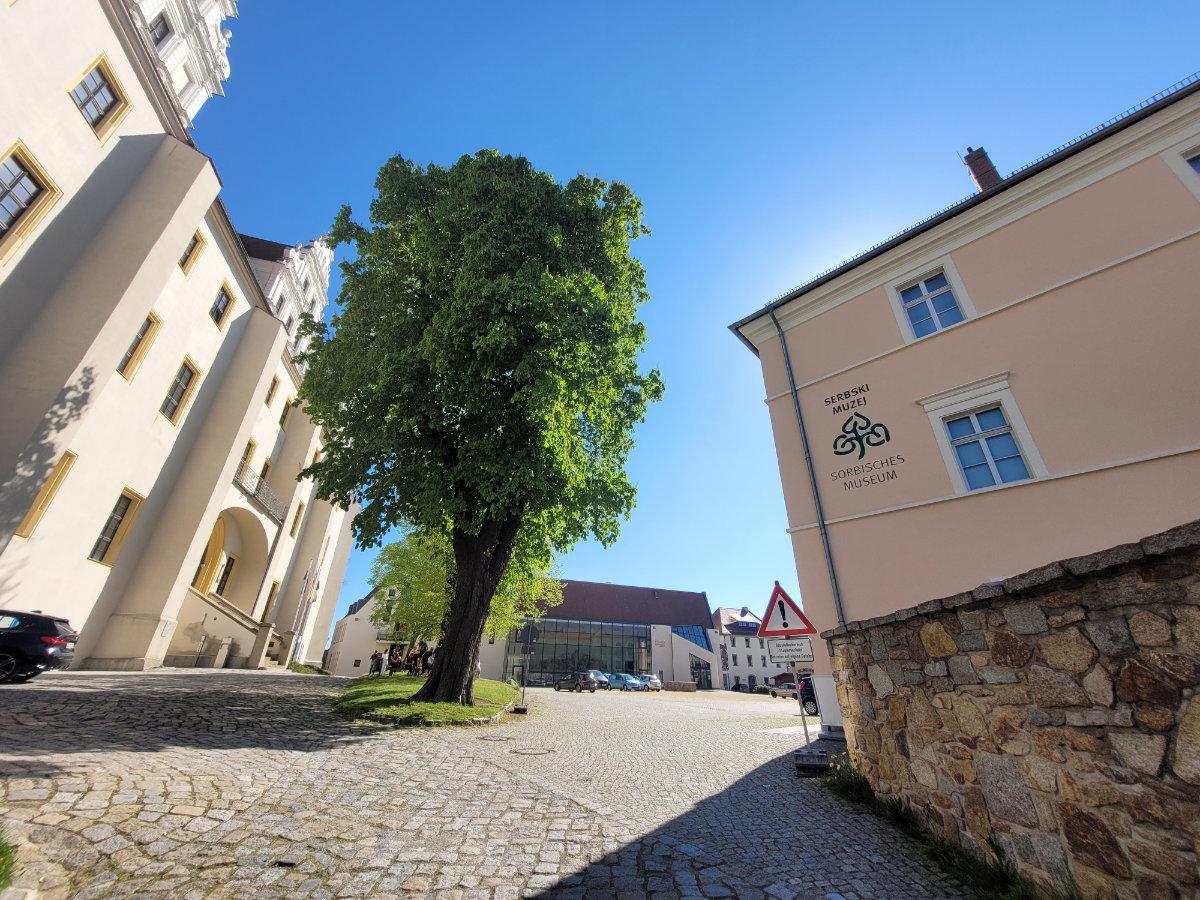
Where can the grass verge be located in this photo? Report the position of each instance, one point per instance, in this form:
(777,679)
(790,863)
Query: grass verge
(388,698)
(305,669)
(990,879)
(8,864)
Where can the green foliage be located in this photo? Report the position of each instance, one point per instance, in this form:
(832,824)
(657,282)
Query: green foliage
(483,366)
(761,689)
(413,579)
(305,669)
(388,698)
(8,862)
(992,878)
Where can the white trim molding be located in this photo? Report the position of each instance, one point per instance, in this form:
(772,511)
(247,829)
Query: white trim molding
(927,267)
(1177,157)
(971,397)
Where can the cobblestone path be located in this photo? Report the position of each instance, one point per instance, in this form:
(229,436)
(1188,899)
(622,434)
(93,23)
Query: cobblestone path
(243,784)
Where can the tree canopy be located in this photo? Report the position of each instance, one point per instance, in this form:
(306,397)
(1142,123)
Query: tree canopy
(482,373)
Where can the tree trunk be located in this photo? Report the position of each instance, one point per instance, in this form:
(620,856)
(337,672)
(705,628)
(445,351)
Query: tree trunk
(479,564)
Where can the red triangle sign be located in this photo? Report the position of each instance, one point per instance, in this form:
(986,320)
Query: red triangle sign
(783,617)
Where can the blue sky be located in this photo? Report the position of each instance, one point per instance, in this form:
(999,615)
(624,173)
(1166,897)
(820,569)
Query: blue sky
(766,148)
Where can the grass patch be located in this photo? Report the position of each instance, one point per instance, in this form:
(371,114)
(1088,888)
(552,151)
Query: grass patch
(8,862)
(990,879)
(389,698)
(304,669)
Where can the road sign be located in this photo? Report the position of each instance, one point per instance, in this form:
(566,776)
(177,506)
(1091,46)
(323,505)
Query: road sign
(797,649)
(783,617)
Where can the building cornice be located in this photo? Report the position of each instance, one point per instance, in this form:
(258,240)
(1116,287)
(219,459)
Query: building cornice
(1135,137)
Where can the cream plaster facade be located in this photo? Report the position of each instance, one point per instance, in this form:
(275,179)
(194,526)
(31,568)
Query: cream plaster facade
(1076,279)
(124,270)
(745,661)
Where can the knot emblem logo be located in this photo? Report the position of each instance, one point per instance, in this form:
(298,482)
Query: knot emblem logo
(859,433)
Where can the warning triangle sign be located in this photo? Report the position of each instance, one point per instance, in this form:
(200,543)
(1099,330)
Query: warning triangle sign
(783,617)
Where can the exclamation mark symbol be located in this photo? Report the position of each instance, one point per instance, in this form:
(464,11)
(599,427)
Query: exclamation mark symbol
(783,613)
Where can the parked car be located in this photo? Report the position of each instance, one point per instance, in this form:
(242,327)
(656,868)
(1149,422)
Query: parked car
(31,643)
(628,683)
(808,696)
(601,678)
(576,681)
(651,682)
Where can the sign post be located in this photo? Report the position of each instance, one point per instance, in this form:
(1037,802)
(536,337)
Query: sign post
(783,619)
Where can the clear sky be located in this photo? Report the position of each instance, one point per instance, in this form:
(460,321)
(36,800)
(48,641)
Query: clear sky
(768,141)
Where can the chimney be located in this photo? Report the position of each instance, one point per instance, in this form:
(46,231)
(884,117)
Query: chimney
(983,173)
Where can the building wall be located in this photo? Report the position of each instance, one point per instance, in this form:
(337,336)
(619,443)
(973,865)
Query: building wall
(1053,714)
(1046,273)
(74,291)
(354,641)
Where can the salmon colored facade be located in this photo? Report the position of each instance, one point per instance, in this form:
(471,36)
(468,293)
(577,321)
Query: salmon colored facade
(1074,344)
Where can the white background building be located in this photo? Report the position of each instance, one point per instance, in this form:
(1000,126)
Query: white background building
(744,657)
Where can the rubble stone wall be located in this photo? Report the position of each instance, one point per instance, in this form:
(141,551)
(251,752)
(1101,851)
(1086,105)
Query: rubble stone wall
(1055,714)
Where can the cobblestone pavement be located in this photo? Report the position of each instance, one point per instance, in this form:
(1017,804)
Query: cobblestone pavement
(239,784)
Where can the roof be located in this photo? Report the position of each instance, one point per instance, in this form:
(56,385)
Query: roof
(603,602)
(359,604)
(736,619)
(1148,107)
(261,248)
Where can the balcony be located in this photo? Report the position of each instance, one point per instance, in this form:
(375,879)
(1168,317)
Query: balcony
(260,492)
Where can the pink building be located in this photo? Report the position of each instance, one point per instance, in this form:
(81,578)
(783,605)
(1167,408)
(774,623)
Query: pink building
(1010,382)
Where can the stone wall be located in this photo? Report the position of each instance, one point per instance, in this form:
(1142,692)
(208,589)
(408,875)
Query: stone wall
(1054,713)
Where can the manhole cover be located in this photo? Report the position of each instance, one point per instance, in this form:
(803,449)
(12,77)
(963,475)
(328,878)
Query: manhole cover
(531,751)
(495,737)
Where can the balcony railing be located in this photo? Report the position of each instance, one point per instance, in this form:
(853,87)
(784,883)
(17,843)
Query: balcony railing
(261,492)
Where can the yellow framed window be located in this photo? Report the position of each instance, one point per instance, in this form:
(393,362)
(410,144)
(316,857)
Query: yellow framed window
(26,195)
(272,596)
(296,518)
(316,456)
(287,413)
(180,392)
(248,454)
(139,346)
(272,389)
(222,305)
(192,252)
(98,96)
(116,528)
(265,472)
(42,501)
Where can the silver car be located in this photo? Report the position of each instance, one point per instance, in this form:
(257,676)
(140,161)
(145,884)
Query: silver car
(650,681)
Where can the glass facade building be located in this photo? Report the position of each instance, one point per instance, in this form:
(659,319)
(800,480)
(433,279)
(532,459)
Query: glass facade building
(558,647)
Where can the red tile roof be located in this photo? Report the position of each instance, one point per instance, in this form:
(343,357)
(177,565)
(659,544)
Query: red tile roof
(603,602)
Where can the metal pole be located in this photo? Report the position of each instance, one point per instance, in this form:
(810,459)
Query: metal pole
(524,668)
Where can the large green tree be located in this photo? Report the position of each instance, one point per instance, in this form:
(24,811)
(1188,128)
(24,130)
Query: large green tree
(414,583)
(482,374)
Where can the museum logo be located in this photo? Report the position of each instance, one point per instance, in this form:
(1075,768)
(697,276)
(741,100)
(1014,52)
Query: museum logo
(859,433)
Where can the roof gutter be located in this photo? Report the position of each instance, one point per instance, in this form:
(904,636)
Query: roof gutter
(812,474)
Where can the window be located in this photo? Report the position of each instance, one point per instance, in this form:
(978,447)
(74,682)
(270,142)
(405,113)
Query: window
(226,574)
(747,640)
(160,29)
(296,518)
(764,662)
(99,98)
(735,659)
(247,454)
(1194,162)
(986,449)
(271,597)
(930,305)
(191,253)
(272,389)
(116,528)
(26,193)
(266,470)
(287,412)
(357,663)
(180,392)
(316,456)
(220,307)
(291,323)
(46,494)
(761,644)
(139,346)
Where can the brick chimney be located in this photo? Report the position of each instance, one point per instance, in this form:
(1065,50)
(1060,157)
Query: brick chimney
(983,173)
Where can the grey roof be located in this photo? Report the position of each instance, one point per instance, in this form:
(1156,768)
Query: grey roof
(1131,116)
(261,248)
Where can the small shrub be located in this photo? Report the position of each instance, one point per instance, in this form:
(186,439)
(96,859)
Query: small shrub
(761,689)
(8,864)
(844,779)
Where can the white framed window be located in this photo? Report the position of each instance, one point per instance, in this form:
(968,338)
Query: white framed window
(983,438)
(160,29)
(1194,162)
(1184,160)
(929,299)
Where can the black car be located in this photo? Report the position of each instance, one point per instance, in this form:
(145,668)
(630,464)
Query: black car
(808,696)
(576,681)
(31,643)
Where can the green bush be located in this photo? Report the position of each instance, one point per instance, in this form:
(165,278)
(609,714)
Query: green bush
(761,689)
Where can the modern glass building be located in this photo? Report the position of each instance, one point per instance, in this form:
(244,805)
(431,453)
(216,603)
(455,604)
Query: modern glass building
(612,628)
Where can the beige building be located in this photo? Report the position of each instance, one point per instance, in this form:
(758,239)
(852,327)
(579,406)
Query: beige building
(1010,382)
(149,442)
(745,662)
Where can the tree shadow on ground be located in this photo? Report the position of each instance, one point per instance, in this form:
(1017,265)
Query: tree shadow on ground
(771,833)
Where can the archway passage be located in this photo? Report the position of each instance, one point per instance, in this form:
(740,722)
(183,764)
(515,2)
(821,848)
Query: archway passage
(235,560)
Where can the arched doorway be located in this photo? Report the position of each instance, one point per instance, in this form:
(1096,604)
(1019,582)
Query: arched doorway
(234,560)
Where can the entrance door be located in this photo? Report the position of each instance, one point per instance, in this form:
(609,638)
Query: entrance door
(701,673)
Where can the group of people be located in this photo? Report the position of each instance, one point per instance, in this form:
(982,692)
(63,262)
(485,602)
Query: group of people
(417,661)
